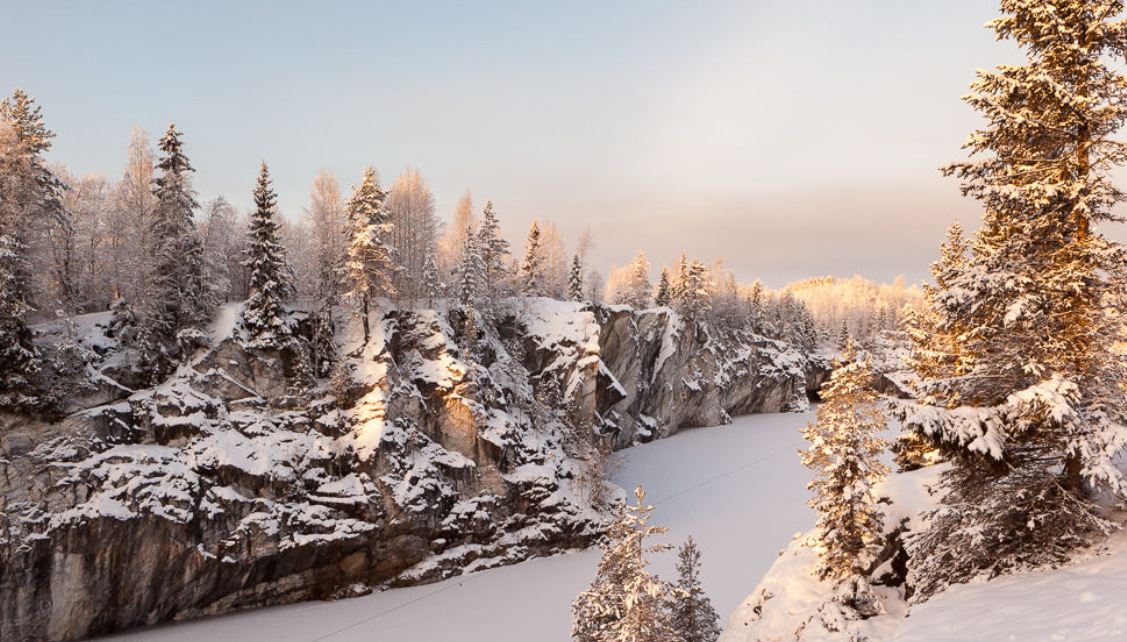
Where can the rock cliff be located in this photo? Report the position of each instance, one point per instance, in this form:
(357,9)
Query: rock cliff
(442,445)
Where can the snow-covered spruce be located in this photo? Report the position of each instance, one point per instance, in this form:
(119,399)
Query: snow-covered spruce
(494,251)
(1022,388)
(530,274)
(624,601)
(178,298)
(575,280)
(30,199)
(263,318)
(370,264)
(844,455)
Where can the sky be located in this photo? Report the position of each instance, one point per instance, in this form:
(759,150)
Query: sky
(791,139)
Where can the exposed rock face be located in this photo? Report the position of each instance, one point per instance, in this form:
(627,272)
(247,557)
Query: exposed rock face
(429,455)
(663,373)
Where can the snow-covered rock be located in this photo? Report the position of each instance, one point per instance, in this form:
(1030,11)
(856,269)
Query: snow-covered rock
(225,487)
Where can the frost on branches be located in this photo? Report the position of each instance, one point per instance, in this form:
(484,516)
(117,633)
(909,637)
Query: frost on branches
(30,199)
(370,261)
(625,603)
(1025,395)
(264,317)
(494,251)
(843,453)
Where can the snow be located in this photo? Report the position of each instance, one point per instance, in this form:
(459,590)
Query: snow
(790,597)
(225,319)
(739,490)
(1084,602)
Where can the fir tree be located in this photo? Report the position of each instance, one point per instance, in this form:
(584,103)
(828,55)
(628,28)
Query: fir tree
(1031,409)
(30,199)
(575,280)
(692,615)
(843,453)
(493,249)
(370,261)
(264,316)
(530,270)
(432,281)
(625,603)
(664,295)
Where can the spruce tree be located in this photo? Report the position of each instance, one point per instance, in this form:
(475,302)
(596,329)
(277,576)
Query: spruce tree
(695,297)
(370,262)
(31,199)
(680,282)
(639,288)
(664,295)
(625,603)
(575,280)
(494,250)
(264,315)
(531,268)
(1032,414)
(178,298)
(692,615)
(432,281)
(756,307)
(471,271)
(844,455)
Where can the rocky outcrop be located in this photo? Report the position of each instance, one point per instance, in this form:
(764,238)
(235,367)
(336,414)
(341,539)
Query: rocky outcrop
(661,373)
(441,446)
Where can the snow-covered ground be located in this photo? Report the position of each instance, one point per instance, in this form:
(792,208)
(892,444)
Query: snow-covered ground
(1085,602)
(739,490)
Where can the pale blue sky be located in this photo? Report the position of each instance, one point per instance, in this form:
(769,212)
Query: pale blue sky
(793,139)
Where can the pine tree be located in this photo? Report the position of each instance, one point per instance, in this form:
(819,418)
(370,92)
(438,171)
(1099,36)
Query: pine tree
(30,199)
(1032,413)
(530,270)
(264,315)
(625,603)
(575,280)
(370,261)
(432,281)
(664,295)
(843,453)
(493,249)
(692,615)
